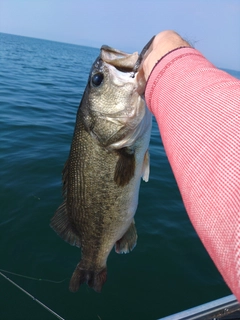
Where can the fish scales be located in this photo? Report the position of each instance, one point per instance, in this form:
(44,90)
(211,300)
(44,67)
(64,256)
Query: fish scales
(108,157)
(97,193)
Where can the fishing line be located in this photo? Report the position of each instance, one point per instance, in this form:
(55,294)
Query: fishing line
(31,278)
(31,296)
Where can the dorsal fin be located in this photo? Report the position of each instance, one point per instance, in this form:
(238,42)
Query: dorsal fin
(62,226)
(60,221)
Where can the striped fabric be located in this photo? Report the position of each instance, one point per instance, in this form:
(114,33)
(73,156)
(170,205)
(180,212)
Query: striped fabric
(197,107)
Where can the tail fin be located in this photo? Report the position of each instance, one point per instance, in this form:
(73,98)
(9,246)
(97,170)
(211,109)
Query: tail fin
(94,279)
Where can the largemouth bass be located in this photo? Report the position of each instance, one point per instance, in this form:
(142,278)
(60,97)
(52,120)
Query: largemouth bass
(108,158)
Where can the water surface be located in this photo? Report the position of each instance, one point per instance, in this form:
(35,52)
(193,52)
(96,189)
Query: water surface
(41,84)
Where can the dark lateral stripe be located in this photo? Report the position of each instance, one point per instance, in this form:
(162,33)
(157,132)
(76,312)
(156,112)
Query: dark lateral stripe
(125,167)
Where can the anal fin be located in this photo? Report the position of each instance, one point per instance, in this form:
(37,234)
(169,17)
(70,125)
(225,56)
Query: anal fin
(128,240)
(62,226)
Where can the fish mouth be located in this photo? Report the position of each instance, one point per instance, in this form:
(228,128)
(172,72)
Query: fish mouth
(116,61)
(122,61)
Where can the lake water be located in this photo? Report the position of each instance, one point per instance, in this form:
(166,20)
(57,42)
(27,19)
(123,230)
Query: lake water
(41,84)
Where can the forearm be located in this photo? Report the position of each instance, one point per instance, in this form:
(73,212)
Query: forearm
(197,108)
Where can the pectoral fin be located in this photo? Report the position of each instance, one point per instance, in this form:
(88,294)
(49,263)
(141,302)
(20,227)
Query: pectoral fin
(146,167)
(125,167)
(128,240)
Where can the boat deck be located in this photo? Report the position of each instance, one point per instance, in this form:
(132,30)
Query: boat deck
(223,309)
(233,316)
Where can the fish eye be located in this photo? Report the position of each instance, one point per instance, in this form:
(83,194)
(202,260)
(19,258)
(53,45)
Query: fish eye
(97,79)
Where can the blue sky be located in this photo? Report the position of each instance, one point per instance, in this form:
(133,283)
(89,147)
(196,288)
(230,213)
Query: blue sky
(213,26)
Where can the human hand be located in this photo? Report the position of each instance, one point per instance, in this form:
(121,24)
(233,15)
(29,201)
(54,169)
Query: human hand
(163,43)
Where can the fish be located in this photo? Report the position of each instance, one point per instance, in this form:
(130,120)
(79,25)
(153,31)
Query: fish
(108,157)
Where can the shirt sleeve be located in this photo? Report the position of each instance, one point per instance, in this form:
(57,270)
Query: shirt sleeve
(197,108)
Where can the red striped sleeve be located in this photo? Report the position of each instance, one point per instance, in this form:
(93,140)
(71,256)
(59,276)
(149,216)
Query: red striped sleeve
(197,107)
